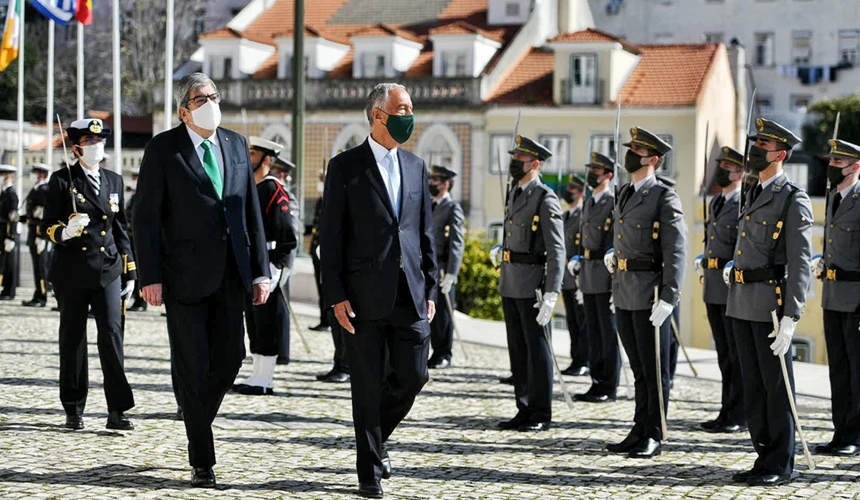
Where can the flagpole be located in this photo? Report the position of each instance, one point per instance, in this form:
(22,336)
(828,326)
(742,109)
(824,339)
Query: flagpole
(117,98)
(168,67)
(22,8)
(49,120)
(80,48)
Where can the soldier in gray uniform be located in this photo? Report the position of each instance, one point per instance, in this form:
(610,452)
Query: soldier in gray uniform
(604,356)
(573,300)
(721,234)
(532,261)
(449,244)
(840,269)
(650,241)
(771,272)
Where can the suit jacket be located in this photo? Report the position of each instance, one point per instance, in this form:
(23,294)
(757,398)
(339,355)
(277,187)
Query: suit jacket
(364,244)
(448,236)
(597,239)
(572,243)
(103,251)
(636,238)
(842,233)
(182,229)
(755,301)
(722,236)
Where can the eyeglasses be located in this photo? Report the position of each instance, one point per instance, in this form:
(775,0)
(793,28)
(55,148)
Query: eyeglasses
(201,99)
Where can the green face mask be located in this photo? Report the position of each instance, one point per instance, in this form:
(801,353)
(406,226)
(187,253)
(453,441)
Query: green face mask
(400,127)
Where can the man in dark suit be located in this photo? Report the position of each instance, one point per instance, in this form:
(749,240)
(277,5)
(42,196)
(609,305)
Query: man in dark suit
(379,274)
(201,246)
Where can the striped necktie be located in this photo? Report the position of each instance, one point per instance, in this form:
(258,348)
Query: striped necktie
(94,180)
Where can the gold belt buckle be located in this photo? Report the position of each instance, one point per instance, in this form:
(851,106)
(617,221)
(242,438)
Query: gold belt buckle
(587,253)
(506,256)
(831,275)
(713,263)
(739,276)
(622,264)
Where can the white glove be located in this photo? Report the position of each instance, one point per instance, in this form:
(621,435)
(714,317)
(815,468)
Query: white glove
(817,265)
(727,272)
(574,265)
(317,251)
(697,262)
(39,213)
(609,260)
(126,291)
(545,305)
(611,304)
(578,296)
(496,255)
(446,284)
(660,311)
(77,223)
(782,343)
(41,245)
(9,245)
(276,277)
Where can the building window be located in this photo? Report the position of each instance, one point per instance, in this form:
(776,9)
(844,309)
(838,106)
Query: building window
(220,67)
(667,169)
(288,66)
(799,103)
(372,65)
(582,86)
(512,9)
(438,152)
(764,104)
(764,49)
(849,41)
(716,37)
(801,46)
(556,171)
(802,349)
(603,144)
(453,64)
(500,144)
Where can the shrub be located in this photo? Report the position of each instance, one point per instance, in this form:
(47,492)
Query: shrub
(478,282)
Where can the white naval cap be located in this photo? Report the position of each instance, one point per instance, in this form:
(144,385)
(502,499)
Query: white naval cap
(271,147)
(7,169)
(41,167)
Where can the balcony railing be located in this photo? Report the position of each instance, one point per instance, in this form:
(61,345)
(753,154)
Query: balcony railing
(346,93)
(582,97)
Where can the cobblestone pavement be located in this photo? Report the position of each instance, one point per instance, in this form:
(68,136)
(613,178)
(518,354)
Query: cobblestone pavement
(299,443)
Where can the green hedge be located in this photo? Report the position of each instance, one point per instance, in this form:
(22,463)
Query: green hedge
(478,282)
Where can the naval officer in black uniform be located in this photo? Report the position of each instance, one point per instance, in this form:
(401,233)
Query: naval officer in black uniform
(37,242)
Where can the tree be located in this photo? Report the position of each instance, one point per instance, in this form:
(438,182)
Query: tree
(816,133)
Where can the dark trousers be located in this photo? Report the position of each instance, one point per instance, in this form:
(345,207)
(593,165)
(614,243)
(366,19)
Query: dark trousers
(604,355)
(74,378)
(388,367)
(732,399)
(531,359)
(324,320)
(206,351)
(40,272)
(673,342)
(576,327)
(9,269)
(843,355)
(765,400)
(284,344)
(637,337)
(442,326)
(266,324)
(338,338)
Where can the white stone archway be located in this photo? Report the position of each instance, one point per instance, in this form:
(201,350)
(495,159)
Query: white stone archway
(349,136)
(280,133)
(439,145)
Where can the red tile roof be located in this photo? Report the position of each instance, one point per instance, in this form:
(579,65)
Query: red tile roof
(464,28)
(227,33)
(269,68)
(529,81)
(593,35)
(386,30)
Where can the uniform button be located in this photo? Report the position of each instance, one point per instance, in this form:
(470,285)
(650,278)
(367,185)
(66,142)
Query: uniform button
(712,236)
(621,221)
(509,233)
(104,217)
(829,240)
(740,253)
(743,234)
(83,249)
(831,226)
(101,249)
(747,217)
(102,233)
(710,252)
(829,256)
(85,231)
(619,236)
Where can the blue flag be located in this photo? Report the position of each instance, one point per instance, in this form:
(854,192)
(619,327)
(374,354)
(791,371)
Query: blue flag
(61,11)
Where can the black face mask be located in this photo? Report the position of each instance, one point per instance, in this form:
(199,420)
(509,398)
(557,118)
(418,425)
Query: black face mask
(592,180)
(835,175)
(567,196)
(723,177)
(632,161)
(757,160)
(516,168)
(434,190)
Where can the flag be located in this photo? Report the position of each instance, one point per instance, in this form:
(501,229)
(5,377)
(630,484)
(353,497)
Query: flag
(60,11)
(11,34)
(84,11)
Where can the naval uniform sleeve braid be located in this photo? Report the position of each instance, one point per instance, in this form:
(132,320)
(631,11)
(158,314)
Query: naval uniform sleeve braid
(552,229)
(798,252)
(120,236)
(456,241)
(56,213)
(673,245)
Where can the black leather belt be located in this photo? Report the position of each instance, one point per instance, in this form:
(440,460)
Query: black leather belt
(834,273)
(523,258)
(715,263)
(637,265)
(757,275)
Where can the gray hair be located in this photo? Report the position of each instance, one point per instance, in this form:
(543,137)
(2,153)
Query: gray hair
(378,97)
(191,82)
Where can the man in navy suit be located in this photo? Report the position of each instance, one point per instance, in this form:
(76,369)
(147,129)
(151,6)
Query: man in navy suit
(379,273)
(202,248)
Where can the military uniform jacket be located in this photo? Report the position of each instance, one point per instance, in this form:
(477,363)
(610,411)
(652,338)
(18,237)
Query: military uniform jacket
(519,281)
(34,210)
(596,239)
(103,251)
(650,227)
(278,221)
(842,233)
(448,236)
(722,234)
(8,214)
(757,227)
(572,237)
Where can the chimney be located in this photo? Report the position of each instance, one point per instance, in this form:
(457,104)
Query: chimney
(574,15)
(737,62)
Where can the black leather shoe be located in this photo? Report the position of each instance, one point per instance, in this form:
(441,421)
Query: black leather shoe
(252,390)
(768,479)
(370,490)
(624,446)
(507,380)
(33,303)
(849,450)
(439,363)
(282,361)
(117,421)
(727,428)
(386,464)
(514,423)
(710,425)
(647,448)
(7,297)
(534,426)
(595,398)
(74,422)
(320,328)
(576,371)
(335,376)
(203,477)
(180,416)
(137,307)
(742,477)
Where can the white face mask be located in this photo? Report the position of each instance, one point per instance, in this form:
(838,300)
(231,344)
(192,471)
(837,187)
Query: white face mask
(320,187)
(34,178)
(93,154)
(208,116)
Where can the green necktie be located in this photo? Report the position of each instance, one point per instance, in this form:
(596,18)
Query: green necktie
(210,165)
